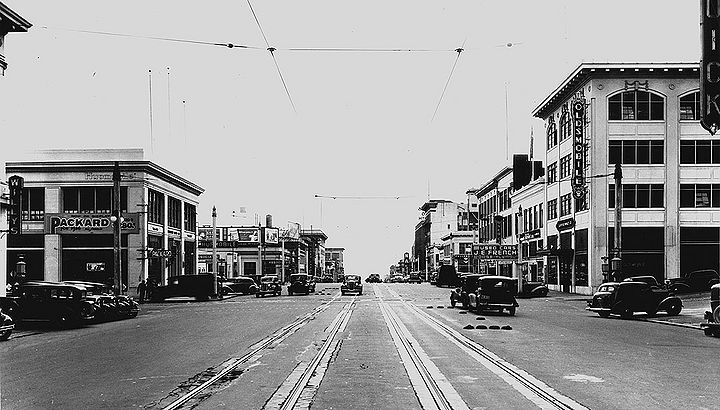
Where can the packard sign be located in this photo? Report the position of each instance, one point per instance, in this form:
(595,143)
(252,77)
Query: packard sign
(81,224)
(578,178)
(710,66)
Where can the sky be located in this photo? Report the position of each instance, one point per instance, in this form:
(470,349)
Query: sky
(368,125)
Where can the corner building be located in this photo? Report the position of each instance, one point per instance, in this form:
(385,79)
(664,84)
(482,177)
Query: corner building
(66,227)
(645,117)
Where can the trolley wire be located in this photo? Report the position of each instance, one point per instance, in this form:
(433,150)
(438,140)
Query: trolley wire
(458,50)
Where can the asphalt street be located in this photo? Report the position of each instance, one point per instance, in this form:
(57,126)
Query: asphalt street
(395,346)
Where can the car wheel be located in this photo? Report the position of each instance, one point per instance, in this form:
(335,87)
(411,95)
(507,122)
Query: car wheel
(63,320)
(453,302)
(674,309)
(289,292)
(511,311)
(627,313)
(604,315)
(257,295)
(716,314)
(652,312)
(544,293)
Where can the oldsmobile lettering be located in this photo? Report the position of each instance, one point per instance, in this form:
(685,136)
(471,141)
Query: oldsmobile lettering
(710,66)
(578,178)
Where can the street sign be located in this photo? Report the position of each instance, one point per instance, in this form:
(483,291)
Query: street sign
(710,66)
(160,253)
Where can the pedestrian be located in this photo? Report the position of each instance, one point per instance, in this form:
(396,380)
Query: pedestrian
(141,291)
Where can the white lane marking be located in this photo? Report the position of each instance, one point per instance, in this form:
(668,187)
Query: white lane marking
(508,372)
(422,372)
(583,378)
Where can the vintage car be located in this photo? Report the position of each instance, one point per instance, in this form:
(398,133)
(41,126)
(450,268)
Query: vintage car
(242,284)
(200,286)
(414,277)
(269,285)
(650,280)
(352,284)
(695,281)
(108,306)
(6,325)
(447,276)
(494,293)
(60,303)
(533,289)
(625,298)
(468,285)
(300,283)
(712,326)
(373,278)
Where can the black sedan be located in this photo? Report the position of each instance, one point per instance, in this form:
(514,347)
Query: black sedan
(626,298)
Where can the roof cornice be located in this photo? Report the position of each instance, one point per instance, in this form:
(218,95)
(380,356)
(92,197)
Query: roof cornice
(17,23)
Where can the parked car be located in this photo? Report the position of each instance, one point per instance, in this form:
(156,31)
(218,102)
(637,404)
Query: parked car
(625,298)
(300,283)
(695,281)
(373,278)
(200,286)
(397,279)
(414,277)
(352,284)
(109,306)
(447,276)
(6,325)
(650,280)
(62,304)
(269,285)
(242,284)
(467,284)
(533,289)
(433,278)
(495,293)
(712,326)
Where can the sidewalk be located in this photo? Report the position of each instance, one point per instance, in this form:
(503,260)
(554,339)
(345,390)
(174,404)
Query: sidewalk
(693,312)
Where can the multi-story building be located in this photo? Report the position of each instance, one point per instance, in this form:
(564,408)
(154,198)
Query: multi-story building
(529,201)
(10,22)
(645,118)
(67,228)
(334,267)
(496,219)
(439,217)
(316,251)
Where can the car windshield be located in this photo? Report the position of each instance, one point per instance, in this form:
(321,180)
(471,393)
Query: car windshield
(352,278)
(297,278)
(268,279)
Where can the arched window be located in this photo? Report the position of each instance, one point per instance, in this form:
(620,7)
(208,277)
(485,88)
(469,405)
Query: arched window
(565,124)
(690,106)
(636,106)
(551,133)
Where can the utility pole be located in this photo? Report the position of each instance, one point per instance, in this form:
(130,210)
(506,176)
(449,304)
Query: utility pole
(521,226)
(214,248)
(117,229)
(616,262)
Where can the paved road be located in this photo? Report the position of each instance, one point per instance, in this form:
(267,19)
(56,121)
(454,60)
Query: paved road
(395,346)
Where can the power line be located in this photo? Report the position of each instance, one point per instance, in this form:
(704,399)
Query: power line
(258,23)
(458,50)
(362,197)
(367,50)
(176,40)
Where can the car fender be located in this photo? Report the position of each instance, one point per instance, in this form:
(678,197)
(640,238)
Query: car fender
(472,300)
(665,303)
(539,290)
(679,287)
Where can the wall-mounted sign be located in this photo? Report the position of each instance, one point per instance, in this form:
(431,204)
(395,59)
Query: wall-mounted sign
(160,253)
(107,176)
(565,224)
(16,184)
(710,66)
(272,235)
(95,266)
(578,177)
(534,234)
(496,252)
(248,235)
(80,224)
(208,244)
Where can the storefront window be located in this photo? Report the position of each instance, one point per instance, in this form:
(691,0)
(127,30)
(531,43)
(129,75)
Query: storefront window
(552,274)
(155,264)
(581,269)
(190,251)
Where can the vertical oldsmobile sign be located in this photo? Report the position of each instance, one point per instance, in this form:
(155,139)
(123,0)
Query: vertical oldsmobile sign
(710,66)
(578,177)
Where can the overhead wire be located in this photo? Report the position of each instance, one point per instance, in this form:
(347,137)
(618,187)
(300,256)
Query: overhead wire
(396,197)
(367,50)
(458,50)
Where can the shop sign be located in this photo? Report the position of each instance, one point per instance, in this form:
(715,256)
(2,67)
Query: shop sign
(174,233)
(578,178)
(272,235)
(80,224)
(204,243)
(107,176)
(95,266)
(248,235)
(710,66)
(534,234)
(160,253)
(565,224)
(204,257)
(496,252)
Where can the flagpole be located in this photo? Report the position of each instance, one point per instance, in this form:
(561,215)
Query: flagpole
(532,165)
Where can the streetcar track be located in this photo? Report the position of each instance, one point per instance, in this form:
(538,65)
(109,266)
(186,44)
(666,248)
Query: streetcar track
(533,389)
(266,343)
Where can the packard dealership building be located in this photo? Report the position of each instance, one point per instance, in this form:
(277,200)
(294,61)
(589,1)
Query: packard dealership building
(67,230)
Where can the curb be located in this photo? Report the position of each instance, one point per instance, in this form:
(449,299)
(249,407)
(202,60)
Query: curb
(686,325)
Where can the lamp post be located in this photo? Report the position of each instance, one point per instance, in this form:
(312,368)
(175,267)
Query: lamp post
(117,229)
(520,226)
(616,262)
(214,248)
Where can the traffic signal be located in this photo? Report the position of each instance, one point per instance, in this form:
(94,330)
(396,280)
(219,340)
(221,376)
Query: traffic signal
(16,184)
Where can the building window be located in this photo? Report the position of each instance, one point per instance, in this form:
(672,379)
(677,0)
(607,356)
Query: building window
(156,207)
(190,217)
(639,196)
(700,152)
(700,195)
(552,173)
(551,133)
(565,166)
(690,106)
(174,212)
(565,124)
(92,200)
(636,106)
(552,209)
(33,204)
(565,204)
(636,152)
(540,220)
